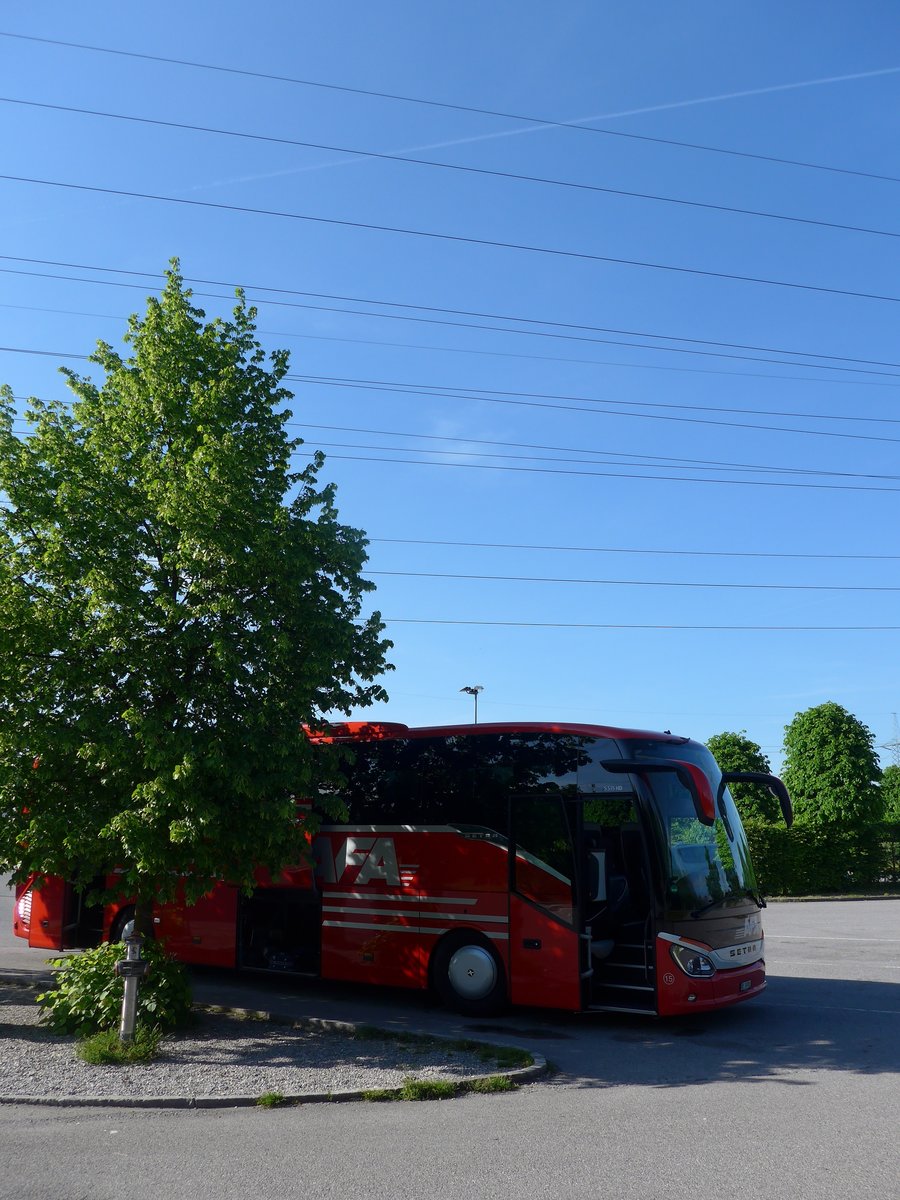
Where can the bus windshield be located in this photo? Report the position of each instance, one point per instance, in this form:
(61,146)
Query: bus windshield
(705,865)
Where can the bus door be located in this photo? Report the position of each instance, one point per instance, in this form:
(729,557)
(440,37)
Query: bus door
(544,942)
(280,924)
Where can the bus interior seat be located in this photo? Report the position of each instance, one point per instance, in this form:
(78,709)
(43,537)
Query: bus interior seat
(608,889)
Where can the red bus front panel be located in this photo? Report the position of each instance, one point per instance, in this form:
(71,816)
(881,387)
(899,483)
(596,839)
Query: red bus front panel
(680,994)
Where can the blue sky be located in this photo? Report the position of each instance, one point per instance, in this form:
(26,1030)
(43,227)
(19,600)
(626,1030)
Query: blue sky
(484,407)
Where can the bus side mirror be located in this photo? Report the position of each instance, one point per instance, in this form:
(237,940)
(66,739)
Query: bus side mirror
(771,783)
(692,777)
(697,783)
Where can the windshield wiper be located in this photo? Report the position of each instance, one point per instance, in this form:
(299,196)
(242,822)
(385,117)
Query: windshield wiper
(758,900)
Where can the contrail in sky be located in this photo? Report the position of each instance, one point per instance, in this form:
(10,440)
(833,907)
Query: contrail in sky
(537,126)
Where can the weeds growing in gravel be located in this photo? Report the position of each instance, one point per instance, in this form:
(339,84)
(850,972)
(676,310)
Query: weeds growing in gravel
(440,1089)
(105,1047)
(492,1083)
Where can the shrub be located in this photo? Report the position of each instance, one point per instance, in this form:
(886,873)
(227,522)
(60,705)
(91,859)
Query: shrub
(811,859)
(88,995)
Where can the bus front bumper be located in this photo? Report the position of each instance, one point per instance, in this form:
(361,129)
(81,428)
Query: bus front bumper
(680,993)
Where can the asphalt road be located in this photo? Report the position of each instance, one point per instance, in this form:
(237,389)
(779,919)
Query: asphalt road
(792,1095)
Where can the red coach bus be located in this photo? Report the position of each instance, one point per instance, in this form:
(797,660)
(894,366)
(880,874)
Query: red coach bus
(577,867)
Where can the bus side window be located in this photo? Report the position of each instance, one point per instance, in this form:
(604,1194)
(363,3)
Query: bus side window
(410,781)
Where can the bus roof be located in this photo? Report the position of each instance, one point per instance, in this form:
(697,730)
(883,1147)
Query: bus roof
(345,731)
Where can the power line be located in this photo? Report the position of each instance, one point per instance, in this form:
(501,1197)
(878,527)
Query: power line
(519,399)
(828,487)
(538,122)
(636,550)
(597,411)
(356,152)
(655,583)
(464,393)
(612,625)
(679,461)
(458,312)
(650,462)
(597,362)
(454,238)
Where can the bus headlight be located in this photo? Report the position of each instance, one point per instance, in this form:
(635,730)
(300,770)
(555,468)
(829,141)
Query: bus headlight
(692,962)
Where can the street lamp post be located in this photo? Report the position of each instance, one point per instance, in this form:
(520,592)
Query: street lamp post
(473,691)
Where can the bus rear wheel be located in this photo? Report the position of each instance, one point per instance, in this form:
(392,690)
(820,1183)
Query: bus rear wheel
(468,975)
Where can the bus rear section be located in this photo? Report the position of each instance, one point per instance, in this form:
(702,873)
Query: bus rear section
(51,914)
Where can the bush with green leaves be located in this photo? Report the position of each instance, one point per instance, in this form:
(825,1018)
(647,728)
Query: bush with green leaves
(890,789)
(736,752)
(87,997)
(813,859)
(831,770)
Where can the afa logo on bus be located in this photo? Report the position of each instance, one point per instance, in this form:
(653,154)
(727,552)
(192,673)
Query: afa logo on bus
(357,860)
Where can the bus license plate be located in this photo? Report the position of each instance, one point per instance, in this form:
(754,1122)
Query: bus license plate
(746,985)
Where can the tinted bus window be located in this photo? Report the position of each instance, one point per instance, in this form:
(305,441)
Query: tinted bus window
(421,782)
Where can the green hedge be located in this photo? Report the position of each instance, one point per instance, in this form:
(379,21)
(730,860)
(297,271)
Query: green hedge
(812,859)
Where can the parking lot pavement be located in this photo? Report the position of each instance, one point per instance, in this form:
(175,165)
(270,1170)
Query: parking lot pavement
(792,1096)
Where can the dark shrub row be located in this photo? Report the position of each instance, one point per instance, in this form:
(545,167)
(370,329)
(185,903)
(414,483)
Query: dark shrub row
(813,859)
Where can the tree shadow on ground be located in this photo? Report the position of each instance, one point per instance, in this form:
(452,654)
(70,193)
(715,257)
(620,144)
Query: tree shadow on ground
(798,1026)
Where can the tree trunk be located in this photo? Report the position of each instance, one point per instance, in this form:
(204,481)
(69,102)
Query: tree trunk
(143,915)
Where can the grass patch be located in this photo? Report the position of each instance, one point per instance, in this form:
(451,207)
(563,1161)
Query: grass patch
(440,1089)
(415,1089)
(371,1033)
(493,1083)
(270,1100)
(427,1089)
(105,1047)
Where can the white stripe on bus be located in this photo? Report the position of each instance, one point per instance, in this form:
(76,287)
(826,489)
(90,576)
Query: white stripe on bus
(398,912)
(497,937)
(374,897)
(353,829)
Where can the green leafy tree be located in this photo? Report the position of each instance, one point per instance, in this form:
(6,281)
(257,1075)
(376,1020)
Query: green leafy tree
(736,752)
(175,601)
(890,790)
(831,769)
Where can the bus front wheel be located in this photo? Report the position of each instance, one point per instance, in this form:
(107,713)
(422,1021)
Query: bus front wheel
(468,975)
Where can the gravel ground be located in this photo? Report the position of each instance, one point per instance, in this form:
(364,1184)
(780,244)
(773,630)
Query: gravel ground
(221,1057)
